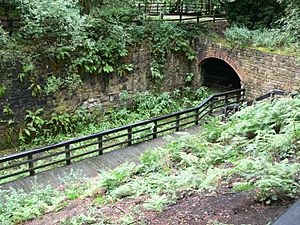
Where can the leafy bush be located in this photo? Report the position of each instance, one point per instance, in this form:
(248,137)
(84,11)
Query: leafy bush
(2,90)
(271,39)
(37,126)
(272,180)
(254,14)
(196,162)
(17,206)
(291,19)
(51,21)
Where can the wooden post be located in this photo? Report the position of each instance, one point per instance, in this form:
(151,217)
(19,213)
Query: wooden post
(226,100)
(129,130)
(197,117)
(238,97)
(225,110)
(155,129)
(212,106)
(100,145)
(178,122)
(31,165)
(161,16)
(198,16)
(180,17)
(68,155)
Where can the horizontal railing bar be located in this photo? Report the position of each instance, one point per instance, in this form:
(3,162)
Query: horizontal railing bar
(189,122)
(112,138)
(15,174)
(188,116)
(51,163)
(141,130)
(199,112)
(85,138)
(164,130)
(166,123)
(15,165)
(229,92)
(145,136)
(114,145)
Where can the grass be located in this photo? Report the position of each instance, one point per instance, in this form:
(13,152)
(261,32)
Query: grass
(256,150)
(278,51)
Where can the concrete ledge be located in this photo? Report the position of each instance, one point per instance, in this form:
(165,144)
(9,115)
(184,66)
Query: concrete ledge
(291,216)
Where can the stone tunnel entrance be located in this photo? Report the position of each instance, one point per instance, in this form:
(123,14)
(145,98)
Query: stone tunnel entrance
(219,75)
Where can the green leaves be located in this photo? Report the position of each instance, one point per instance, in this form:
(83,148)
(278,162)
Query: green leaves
(108,68)
(272,39)
(17,206)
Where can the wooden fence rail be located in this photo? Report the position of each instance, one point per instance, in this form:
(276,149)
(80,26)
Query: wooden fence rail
(28,163)
(194,12)
(64,153)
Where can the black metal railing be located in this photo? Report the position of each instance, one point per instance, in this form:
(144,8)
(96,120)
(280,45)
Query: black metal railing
(272,94)
(64,153)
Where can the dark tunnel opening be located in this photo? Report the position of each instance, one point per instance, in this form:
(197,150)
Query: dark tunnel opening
(219,75)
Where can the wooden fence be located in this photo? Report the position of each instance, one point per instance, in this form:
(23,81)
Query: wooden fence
(64,153)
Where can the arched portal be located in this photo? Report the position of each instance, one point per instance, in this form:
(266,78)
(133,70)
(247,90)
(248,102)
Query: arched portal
(212,60)
(218,74)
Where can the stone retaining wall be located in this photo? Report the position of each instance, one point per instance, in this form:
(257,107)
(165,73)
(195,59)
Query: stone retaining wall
(259,72)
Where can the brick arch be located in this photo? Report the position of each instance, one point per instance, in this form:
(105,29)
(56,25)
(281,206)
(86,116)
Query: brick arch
(226,58)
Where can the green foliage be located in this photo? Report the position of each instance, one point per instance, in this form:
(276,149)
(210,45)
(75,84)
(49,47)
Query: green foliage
(157,203)
(149,105)
(291,20)
(4,38)
(272,39)
(208,160)
(164,38)
(36,126)
(17,206)
(61,126)
(55,22)
(254,14)
(2,90)
(33,123)
(272,180)
(53,84)
(7,110)
(194,162)
(118,176)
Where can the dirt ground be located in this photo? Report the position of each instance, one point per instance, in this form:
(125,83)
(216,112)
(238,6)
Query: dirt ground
(192,208)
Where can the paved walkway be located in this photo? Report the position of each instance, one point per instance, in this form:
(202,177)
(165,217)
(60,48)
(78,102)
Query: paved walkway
(90,167)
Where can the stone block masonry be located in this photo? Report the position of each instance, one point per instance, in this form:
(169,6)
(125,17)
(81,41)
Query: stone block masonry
(259,72)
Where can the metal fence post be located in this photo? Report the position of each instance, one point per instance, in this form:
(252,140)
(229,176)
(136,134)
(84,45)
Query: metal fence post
(211,110)
(31,165)
(198,16)
(68,155)
(100,145)
(155,129)
(129,130)
(197,116)
(177,122)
